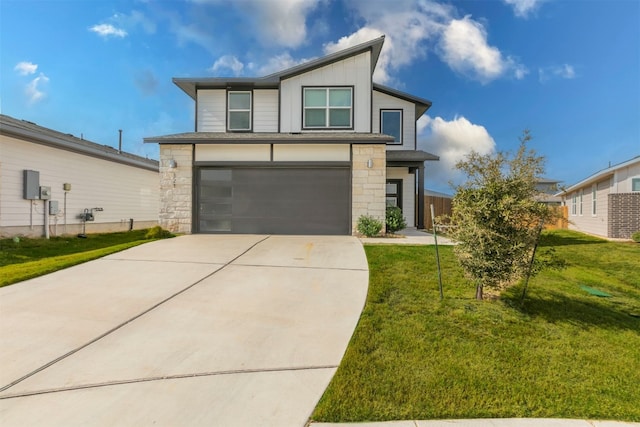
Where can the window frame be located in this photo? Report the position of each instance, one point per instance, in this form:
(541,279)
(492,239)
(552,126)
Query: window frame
(594,199)
(401,111)
(581,201)
(327,108)
(250,110)
(398,194)
(634,181)
(574,203)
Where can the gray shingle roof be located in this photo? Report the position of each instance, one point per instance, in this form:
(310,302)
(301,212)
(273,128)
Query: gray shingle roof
(32,132)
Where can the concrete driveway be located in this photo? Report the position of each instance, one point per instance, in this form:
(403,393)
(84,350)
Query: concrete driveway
(208,330)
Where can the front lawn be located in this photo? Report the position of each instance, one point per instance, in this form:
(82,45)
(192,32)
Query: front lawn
(28,258)
(565,353)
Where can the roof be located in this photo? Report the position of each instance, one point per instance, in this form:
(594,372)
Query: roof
(271,138)
(433,193)
(422,105)
(191,85)
(604,173)
(410,156)
(40,135)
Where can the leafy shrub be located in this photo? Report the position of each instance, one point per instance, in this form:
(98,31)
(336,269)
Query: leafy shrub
(369,226)
(395,220)
(636,236)
(158,232)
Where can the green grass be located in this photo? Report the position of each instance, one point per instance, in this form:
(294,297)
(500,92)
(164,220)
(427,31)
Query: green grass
(30,258)
(564,353)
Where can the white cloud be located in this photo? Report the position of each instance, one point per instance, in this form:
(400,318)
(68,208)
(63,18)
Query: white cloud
(34,90)
(277,63)
(108,30)
(466,50)
(228,62)
(451,140)
(564,71)
(415,28)
(522,8)
(277,22)
(26,68)
(365,34)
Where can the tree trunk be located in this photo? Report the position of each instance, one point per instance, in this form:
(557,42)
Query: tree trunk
(479,291)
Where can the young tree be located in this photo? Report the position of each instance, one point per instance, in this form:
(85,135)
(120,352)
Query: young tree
(496,216)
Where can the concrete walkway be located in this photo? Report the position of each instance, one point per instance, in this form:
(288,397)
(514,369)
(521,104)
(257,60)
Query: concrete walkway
(408,236)
(196,330)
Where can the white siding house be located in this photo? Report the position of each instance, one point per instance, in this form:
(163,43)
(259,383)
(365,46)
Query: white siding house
(307,150)
(607,203)
(80,175)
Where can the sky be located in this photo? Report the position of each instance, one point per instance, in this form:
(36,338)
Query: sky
(567,70)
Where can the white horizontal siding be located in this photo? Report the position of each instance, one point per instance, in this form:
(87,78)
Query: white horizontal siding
(233,152)
(265,110)
(353,71)
(408,193)
(587,222)
(211,114)
(123,191)
(311,152)
(623,178)
(382,101)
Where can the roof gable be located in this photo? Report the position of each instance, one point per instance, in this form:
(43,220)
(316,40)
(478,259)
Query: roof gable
(600,175)
(191,85)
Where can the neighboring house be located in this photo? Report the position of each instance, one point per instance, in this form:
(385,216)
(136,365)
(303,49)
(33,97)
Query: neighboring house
(40,168)
(547,189)
(307,150)
(607,203)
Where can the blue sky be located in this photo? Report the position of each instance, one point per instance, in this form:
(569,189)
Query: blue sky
(568,70)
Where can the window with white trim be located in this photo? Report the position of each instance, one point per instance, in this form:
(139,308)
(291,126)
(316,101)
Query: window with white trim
(327,108)
(594,199)
(391,124)
(581,200)
(574,204)
(239,110)
(635,184)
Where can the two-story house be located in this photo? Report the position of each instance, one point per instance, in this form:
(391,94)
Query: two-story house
(307,150)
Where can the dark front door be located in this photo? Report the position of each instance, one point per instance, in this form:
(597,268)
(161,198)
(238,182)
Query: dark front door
(274,200)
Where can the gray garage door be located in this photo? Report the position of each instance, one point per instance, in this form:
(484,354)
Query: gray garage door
(274,200)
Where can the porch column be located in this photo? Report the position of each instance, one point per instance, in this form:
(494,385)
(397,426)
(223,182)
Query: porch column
(420,197)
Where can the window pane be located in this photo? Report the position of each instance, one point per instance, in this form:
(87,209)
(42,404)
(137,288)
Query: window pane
(315,118)
(635,184)
(340,118)
(239,120)
(391,124)
(315,97)
(340,97)
(239,101)
(392,188)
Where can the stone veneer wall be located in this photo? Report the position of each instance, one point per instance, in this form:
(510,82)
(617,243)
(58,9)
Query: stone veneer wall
(368,196)
(176,204)
(624,215)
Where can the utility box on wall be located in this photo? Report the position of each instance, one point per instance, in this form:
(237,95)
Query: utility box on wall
(45,193)
(31,185)
(53,207)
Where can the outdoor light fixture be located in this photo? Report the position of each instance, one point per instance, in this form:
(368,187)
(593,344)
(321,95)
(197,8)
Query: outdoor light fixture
(173,164)
(370,163)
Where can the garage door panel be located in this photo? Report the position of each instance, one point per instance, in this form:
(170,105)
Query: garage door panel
(279,201)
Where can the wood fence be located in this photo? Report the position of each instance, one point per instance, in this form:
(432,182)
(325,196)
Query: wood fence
(441,206)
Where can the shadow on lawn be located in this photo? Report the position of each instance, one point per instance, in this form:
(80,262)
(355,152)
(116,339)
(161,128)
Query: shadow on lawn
(559,240)
(581,311)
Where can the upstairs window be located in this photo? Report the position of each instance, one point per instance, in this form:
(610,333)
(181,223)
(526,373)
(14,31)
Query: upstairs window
(328,108)
(391,124)
(239,111)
